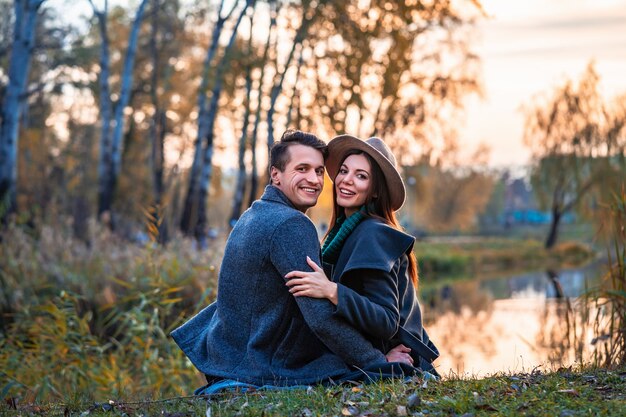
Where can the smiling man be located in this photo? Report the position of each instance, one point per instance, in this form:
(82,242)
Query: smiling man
(256,332)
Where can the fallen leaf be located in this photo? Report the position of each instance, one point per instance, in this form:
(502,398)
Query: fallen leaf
(350,411)
(569,391)
(401,411)
(413,401)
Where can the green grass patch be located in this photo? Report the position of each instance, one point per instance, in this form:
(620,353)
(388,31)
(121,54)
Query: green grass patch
(567,392)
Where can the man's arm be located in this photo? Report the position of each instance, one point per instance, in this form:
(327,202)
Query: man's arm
(292,242)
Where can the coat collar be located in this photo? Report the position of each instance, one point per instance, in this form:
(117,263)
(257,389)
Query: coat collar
(273,193)
(372,245)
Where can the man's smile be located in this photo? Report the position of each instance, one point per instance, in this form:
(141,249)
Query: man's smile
(310,190)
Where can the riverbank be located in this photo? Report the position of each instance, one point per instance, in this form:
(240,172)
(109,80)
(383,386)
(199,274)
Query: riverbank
(468,256)
(566,392)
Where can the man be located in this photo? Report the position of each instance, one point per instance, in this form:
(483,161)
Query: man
(257,332)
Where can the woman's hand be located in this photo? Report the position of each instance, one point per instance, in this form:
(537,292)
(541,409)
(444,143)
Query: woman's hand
(313,284)
(400,353)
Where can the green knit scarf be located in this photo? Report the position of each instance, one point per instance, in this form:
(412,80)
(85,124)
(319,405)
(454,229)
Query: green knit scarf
(338,234)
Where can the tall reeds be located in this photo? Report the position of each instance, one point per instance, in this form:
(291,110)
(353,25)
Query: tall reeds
(610,299)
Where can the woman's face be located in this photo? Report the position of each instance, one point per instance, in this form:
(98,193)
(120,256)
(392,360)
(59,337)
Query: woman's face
(353,183)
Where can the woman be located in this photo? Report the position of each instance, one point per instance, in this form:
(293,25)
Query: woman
(370,271)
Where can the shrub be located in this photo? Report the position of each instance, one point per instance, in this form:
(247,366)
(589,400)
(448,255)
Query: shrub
(93,319)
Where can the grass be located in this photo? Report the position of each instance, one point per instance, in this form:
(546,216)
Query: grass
(566,392)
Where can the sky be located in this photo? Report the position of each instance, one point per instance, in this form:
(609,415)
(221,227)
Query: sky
(530,47)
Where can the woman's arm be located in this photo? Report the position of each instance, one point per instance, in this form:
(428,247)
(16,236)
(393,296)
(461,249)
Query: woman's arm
(373,309)
(314,284)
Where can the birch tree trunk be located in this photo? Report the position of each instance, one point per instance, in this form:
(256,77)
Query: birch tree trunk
(158,128)
(254,180)
(200,228)
(278,85)
(19,68)
(104,159)
(127,82)
(190,208)
(241,175)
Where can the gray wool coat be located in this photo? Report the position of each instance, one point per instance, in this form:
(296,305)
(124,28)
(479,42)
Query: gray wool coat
(256,331)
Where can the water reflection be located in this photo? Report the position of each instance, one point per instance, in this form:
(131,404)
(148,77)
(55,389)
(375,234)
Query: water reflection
(513,323)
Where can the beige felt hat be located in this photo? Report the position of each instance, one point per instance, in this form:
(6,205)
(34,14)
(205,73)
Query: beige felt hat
(376,148)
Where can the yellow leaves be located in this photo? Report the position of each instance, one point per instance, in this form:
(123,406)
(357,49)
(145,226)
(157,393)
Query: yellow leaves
(172,301)
(121,282)
(171,290)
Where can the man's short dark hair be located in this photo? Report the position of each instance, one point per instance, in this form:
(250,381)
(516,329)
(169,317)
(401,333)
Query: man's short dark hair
(279,157)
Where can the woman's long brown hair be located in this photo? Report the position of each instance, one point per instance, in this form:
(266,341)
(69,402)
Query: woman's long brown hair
(377,204)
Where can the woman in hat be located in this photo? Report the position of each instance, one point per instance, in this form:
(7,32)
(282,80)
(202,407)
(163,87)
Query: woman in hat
(369,270)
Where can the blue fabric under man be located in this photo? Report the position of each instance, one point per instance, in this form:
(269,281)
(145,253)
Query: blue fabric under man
(256,332)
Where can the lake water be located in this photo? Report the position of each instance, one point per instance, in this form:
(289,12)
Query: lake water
(511,323)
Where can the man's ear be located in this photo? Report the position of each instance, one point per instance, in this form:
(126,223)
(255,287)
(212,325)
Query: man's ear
(274,176)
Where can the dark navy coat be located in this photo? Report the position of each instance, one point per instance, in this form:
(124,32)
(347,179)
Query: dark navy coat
(375,292)
(256,331)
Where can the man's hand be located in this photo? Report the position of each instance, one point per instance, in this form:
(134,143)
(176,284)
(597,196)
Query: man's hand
(400,353)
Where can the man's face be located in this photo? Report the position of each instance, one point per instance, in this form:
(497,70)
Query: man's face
(302,180)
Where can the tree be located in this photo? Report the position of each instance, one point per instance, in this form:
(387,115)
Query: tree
(254,181)
(110,162)
(26,12)
(194,218)
(200,227)
(309,15)
(165,27)
(240,187)
(573,147)
(449,198)
(398,70)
